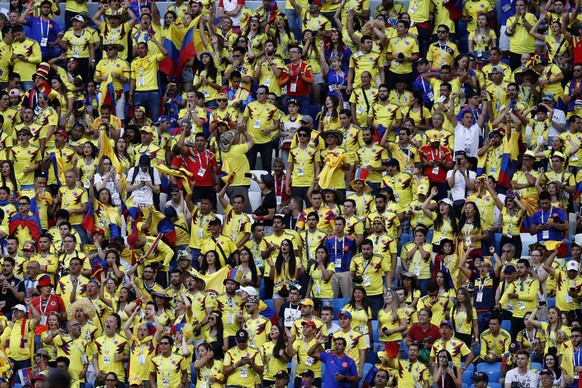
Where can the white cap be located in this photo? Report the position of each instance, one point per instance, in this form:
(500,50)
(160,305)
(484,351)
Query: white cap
(20,307)
(447,201)
(252,291)
(572,266)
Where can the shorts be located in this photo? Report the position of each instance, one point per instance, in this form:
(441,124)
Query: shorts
(318,78)
(187,75)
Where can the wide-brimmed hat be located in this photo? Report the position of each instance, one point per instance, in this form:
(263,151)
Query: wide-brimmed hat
(338,195)
(207,52)
(226,139)
(528,70)
(338,134)
(114,44)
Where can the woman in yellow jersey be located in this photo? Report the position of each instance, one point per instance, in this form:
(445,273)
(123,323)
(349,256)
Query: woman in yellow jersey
(482,39)
(417,112)
(438,120)
(282,35)
(332,200)
(9,178)
(462,68)
(285,272)
(111,290)
(289,125)
(123,155)
(215,330)
(207,79)
(64,97)
(417,254)
(512,218)
(329,116)
(105,212)
(87,165)
(246,272)
(443,280)
(117,303)
(391,320)
(444,221)
(532,339)
(209,368)
(557,47)
(274,354)
(311,56)
(53,321)
(410,284)
(464,318)
(556,193)
(470,232)
(552,329)
(361,314)
(321,270)
(165,314)
(209,263)
(448,261)
(254,35)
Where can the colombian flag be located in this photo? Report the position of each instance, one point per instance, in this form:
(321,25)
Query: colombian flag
(105,148)
(182,43)
(110,97)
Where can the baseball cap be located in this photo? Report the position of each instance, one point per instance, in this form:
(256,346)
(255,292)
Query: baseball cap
(421,60)
(78,18)
(546,371)
(14,93)
(249,290)
(447,201)
(548,97)
(572,266)
(253,299)
(132,240)
(307,373)
(488,261)
(133,380)
(346,314)
(306,119)
(144,161)
(514,347)
(161,119)
(309,323)
(318,2)
(307,302)
(509,269)
(282,375)
(242,336)
(496,68)
(42,352)
(62,133)
(19,307)
(447,323)
(529,154)
(293,101)
(147,129)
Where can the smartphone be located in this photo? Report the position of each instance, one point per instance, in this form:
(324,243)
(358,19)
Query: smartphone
(451,364)
(442,99)
(248,175)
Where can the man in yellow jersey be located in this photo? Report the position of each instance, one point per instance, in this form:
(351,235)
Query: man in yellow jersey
(73,284)
(403,51)
(113,29)
(19,335)
(517,28)
(371,271)
(306,306)
(111,353)
(237,224)
(303,166)
(168,369)
(326,216)
(362,99)
(77,354)
(361,61)
(372,158)
(229,304)
(520,297)
(261,119)
(270,67)
(113,69)
(223,245)
(26,160)
(337,161)
(75,200)
(568,283)
(24,56)
(454,346)
(494,341)
(47,119)
(400,182)
(5,53)
(384,116)
(243,364)
(234,146)
(193,114)
(143,87)
(199,229)
(61,150)
(356,342)
(299,347)
(384,244)
(256,325)
(443,51)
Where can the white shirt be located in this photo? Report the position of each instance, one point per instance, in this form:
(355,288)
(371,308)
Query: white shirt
(529,380)
(467,139)
(459,189)
(558,117)
(143,195)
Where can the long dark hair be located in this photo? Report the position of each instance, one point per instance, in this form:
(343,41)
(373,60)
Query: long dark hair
(11,174)
(211,70)
(281,260)
(204,263)
(439,220)
(352,302)
(252,267)
(313,263)
(476,218)
(552,351)
(467,303)
(219,326)
(446,279)
(281,340)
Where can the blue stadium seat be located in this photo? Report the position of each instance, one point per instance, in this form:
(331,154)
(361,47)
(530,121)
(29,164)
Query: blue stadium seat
(467,376)
(536,366)
(367,368)
(506,325)
(269,303)
(494,385)
(338,304)
(493,370)
(375,330)
(551,302)
(262,290)
(371,358)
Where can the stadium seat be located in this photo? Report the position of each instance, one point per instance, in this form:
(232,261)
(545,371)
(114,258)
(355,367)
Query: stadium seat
(338,304)
(367,368)
(493,370)
(494,385)
(551,302)
(262,290)
(255,198)
(506,325)
(269,303)
(254,185)
(375,330)
(536,366)
(467,376)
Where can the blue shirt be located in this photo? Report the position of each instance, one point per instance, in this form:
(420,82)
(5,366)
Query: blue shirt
(334,365)
(424,87)
(341,251)
(49,30)
(555,215)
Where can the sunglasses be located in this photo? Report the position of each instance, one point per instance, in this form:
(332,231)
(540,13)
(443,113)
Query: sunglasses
(221,100)
(164,343)
(302,135)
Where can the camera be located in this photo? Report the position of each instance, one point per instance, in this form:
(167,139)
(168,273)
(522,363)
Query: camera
(358,279)
(400,55)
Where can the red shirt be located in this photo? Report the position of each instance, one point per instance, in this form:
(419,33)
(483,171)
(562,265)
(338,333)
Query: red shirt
(200,164)
(296,86)
(417,334)
(577,49)
(427,154)
(279,189)
(53,303)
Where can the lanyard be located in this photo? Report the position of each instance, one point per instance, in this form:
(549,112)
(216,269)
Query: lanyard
(106,349)
(549,214)
(42,34)
(200,159)
(279,186)
(45,306)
